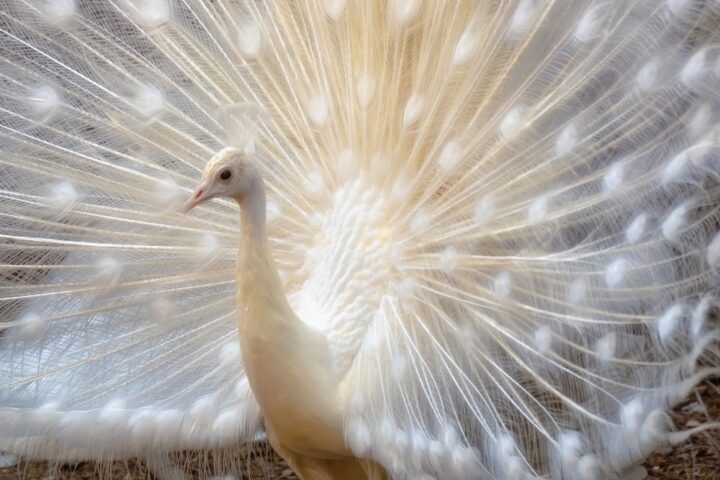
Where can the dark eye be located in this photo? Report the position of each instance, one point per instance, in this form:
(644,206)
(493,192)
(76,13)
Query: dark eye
(225,174)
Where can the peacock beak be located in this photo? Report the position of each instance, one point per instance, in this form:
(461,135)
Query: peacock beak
(200,195)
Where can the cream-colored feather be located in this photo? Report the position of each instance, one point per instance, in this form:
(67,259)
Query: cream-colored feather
(489,247)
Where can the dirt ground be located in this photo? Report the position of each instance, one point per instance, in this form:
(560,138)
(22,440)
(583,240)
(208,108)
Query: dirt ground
(699,457)
(696,459)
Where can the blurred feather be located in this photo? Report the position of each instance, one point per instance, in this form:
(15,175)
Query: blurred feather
(503,215)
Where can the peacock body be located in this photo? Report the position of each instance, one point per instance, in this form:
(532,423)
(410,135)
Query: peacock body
(500,218)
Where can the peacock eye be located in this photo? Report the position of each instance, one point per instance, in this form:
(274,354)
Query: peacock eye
(225,174)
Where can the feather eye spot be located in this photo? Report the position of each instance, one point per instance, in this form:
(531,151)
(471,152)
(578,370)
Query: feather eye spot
(61,196)
(404,11)
(250,40)
(679,8)
(543,339)
(606,346)
(615,273)
(229,355)
(318,109)
(44,101)
(675,222)
(31,325)
(538,210)
(334,8)
(450,156)
(398,368)
(449,259)
(513,122)
(502,285)
(464,48)
(484,210)
(365,90)
(635,230)
(148,101)
(566,141)
(150,13)
(577,291)
(162,310)
(590,25)
(693,68)
(669,322)
(713,252)
(614,177)
(700,315)
(647,77)
(108,270)
(57,12)
(523,17)
(570,446)
(413,109)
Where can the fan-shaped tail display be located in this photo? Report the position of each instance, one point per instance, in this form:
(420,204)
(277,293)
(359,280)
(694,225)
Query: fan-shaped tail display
(503,215)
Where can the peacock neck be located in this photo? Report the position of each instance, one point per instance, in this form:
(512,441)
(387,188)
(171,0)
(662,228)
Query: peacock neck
(253,210)
(257,274)
(258,279)
(287,362)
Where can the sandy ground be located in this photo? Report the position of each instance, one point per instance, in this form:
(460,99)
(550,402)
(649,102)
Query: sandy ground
(696,459)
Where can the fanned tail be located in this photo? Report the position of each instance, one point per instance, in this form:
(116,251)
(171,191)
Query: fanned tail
(504,216)
(118,326)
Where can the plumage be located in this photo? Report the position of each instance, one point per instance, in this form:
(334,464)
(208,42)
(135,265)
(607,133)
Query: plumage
(488,238)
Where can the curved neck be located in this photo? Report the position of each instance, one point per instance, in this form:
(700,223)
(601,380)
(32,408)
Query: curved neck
(253,206)
(287,362)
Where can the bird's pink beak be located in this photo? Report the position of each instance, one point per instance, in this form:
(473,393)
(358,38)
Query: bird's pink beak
(200,195)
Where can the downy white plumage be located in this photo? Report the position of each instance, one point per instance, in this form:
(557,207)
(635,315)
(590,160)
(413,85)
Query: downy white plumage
(502,215)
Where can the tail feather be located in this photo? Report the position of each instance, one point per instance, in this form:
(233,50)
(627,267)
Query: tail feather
(117,312)
(503,215)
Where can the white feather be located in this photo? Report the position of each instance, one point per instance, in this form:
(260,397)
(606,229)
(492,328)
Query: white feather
(647,78)
(464,48)
(249,40)
(404,11)
(590,24)
(413,109)
(615,273)
(566,140)
(450,155)
(636,228)
(693,68)
(512,122)
(674,223)
(502,285)
(58,11)
(150,13)
(484,209)
(669,322)
(606,346)
(334,8)
(365,90)
(44,101)
(523,17)
(614,176)
(713,252)
(318,110)
(495,220)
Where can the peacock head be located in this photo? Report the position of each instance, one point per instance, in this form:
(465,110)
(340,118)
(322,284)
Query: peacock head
(228,174)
